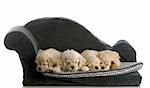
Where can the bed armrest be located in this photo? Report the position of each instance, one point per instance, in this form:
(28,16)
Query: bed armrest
(23,42)
(20,39)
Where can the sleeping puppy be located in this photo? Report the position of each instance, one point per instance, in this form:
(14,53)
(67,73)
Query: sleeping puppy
(110,59)
(48,60)
(92,61)
(73,61)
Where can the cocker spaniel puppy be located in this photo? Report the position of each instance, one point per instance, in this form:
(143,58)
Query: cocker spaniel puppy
(48,60)
(73,61)
(92,61)
(109,59)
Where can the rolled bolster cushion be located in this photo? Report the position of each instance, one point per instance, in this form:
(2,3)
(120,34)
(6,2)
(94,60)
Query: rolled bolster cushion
(126,51)
(20,39)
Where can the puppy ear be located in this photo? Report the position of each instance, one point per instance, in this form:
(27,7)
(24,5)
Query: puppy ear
(100,54)
(35,61)
(117,54)
(119,57)
(40,50)
(48,62)
(81,61)
(63,61)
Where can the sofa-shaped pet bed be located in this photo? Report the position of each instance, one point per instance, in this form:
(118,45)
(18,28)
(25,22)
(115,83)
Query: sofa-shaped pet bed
(62,34)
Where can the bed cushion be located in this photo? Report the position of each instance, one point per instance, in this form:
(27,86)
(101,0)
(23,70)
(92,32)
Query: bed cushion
(126,67)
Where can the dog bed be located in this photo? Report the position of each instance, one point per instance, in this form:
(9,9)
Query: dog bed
(62,34)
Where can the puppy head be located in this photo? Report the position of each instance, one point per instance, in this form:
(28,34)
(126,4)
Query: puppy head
(72,60)
(93,64)
(115,62)
(110,59)
(41,61)
(72,64)
(105,65)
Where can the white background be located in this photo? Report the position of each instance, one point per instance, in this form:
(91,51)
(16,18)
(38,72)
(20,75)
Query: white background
(109,20)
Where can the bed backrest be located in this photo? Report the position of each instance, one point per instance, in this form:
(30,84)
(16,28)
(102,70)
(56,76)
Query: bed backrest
(62,33)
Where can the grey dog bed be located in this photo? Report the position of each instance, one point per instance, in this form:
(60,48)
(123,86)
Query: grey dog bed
(62,34)
(126,67)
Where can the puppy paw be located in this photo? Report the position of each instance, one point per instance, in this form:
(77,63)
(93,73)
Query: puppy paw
(84,68)
(106,68)
(57,70)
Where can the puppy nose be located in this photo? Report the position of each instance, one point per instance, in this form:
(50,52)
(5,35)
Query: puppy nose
(102,67)
(96,67)
(39,69)
(72,67)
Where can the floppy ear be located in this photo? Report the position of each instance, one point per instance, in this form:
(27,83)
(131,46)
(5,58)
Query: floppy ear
(119,57)
(48,62)
(35,61)
(63,61)
(117,54)
(40,50)
(81,61)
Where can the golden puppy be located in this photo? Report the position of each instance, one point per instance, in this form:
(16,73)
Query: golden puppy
(110,59)
(92,61)
(73,61)
(48,60)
